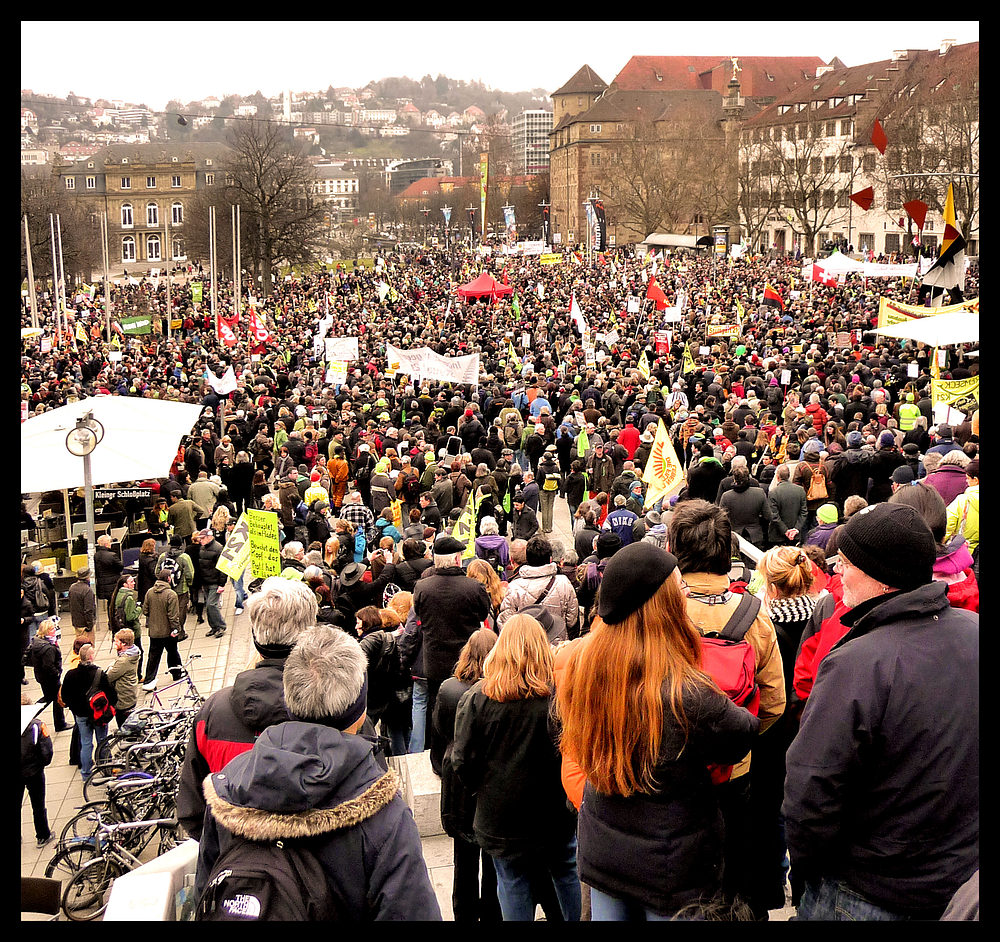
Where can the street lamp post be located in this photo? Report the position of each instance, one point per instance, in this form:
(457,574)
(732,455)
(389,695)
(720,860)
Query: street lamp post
(81,441)
(544,207)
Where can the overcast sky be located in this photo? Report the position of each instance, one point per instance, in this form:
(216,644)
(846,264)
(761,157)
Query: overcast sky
(153,62)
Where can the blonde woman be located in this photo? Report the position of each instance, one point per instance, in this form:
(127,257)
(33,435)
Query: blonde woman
(788,580)
(504,752)
(483,572)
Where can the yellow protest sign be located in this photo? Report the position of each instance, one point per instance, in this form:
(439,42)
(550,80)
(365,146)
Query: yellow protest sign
(550,258)
(891,313)
(236,553)
(961,394)
(265,548)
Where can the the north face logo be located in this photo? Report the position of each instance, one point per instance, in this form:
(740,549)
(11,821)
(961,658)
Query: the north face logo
(242,906)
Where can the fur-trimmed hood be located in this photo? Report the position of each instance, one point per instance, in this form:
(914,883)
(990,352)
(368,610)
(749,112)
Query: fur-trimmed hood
(299,780)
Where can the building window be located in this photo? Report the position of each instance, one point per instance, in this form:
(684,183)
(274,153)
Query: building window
(845,127)
(175,181)
(128,249)
(177,249)
(891,242)
(595,129)
(150,183)
(126,183)
(91,183)
(845,163)
(153,248)
(868,163)
(930,242)
(209,179)
(866,242)
(177,213)
(152,214)
(843,200)
(595,160)
(208,162)
(126,215)
(70,183)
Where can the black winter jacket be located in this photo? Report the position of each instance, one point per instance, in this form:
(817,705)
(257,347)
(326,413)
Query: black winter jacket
(882,786)
(506,754)
(663,850)
(307,780)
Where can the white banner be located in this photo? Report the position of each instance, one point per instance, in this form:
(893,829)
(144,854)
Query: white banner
(341,348)
(632,304)
(423,362)
(879,270)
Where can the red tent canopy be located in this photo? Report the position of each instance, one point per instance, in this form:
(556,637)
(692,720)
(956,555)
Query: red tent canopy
(485,285)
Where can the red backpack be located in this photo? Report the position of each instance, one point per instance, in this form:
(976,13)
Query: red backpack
(731,662)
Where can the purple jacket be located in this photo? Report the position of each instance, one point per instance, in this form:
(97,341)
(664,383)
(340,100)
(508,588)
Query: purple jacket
(948,480)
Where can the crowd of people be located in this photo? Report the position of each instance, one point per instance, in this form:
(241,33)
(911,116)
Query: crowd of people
(637,722)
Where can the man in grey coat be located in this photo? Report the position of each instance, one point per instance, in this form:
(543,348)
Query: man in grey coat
(788,501)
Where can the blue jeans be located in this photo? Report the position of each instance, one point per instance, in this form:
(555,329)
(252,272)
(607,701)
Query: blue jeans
(87,733)
(827,899)
(514,884)
(418,733)
(604,908)
(213,608)
(241,592)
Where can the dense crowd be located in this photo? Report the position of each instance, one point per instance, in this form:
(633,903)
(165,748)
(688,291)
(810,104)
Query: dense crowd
(418,515)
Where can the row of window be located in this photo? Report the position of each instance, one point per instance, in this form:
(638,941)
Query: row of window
(152,248)
(153,214)
(175,182)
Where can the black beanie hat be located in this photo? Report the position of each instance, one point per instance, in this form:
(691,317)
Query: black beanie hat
(890,543)
(632,577)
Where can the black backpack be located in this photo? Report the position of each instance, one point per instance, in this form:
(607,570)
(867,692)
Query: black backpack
(34,591)
(266,881)
(171,565)
(492,556)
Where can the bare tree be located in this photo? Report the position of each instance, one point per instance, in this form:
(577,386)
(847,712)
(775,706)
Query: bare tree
(41,195)
(271,180)
(811,175)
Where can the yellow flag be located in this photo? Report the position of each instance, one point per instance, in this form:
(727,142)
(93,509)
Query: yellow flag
(81,334)
(688,360)
(935,369)
(663,473)
(949,220)
(644,366)
(512,353)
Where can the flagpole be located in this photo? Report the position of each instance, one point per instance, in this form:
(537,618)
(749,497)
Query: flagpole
(211,262)
(31,274)
(55,275)
(170,256)
(62,282)
(105,259)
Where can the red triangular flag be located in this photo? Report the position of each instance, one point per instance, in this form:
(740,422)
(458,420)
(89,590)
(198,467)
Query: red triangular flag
(917,211)
(864,198)
(878,137)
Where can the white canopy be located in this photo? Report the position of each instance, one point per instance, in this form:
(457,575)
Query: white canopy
(140,441)
(838,263)
(938,330)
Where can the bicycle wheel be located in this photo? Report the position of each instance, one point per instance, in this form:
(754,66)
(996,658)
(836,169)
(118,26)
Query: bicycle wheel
(83,825)
(95,787)
(86,894)
(67,860)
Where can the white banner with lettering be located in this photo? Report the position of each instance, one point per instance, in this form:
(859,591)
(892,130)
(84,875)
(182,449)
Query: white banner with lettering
(423,362)
(341,348)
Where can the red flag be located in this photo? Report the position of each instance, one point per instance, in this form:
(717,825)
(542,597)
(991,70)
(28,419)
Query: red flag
(917,211)
(864,198)
(655,292)
(504,276)
(878,137)
(823,277)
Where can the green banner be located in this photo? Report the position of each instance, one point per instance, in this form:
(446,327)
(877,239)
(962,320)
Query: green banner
(139,324)
(265,548)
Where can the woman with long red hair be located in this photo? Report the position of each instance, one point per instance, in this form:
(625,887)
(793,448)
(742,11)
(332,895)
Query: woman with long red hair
(643,722)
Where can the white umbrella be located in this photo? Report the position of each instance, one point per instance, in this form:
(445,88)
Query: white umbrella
(837,263)
(140,441)
(938,330)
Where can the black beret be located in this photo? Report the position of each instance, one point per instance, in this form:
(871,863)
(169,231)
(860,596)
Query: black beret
(632,577)
(446,545)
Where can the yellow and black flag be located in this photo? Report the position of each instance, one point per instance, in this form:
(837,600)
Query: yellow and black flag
(947,274)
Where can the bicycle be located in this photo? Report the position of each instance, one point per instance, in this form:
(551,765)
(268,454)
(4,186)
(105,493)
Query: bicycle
(86,894)
(189,695)
(146,724)
(142,757)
